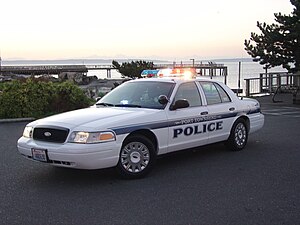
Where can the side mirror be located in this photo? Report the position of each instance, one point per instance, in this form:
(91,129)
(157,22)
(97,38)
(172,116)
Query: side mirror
(180,104)
(162,99)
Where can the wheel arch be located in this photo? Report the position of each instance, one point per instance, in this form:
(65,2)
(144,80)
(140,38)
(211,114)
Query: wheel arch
(146,133)
(234,142)
(246,119)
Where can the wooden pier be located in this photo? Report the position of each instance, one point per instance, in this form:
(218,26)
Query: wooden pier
(39,70)
(209,69)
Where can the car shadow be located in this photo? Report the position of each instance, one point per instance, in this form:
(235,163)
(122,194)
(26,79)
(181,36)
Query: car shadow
(180,162)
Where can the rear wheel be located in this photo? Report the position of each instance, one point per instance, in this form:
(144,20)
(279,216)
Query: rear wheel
(137,157)
(238,137)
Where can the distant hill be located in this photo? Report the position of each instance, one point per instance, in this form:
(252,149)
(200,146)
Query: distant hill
(108,61)
(70,61)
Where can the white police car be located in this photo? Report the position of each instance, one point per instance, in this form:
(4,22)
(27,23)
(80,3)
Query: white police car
(139,120)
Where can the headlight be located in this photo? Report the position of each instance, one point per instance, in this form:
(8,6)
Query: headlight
(28,132)
(91,137)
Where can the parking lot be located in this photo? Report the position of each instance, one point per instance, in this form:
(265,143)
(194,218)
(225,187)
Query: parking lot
(283,111)
(207,185)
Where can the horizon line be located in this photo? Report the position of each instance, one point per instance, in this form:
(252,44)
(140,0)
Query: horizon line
(126,59)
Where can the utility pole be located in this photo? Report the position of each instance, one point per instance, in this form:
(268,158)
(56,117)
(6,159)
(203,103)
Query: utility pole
(239,77)
(193,60)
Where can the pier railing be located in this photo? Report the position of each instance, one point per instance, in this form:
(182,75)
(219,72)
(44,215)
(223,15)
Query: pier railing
(187,65)
(270,82)
(210,69)
(42,69)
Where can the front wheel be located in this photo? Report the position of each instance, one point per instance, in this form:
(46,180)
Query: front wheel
(238,136)
(137,157)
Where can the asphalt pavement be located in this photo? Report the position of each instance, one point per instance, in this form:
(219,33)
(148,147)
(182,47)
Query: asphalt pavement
(207,185)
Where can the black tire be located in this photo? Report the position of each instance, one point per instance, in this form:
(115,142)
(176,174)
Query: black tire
(137,157)
(238,136)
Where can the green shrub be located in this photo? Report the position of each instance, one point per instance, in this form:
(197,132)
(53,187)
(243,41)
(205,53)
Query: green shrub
(37,99)
(68,97)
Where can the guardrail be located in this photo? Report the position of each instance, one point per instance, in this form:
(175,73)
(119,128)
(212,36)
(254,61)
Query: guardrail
(269,82)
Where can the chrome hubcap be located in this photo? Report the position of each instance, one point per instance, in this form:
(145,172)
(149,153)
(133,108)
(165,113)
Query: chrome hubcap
(240,134)
(135,157)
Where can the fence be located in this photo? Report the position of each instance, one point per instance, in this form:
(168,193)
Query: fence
(270,82)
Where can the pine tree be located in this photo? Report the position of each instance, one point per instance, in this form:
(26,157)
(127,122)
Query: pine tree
(132,69)
(279,43)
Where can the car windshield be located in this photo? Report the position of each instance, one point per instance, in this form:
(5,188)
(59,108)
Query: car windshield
(138,94)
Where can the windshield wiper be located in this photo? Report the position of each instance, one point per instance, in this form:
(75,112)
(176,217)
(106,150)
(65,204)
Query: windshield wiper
(105,104)
(128,105)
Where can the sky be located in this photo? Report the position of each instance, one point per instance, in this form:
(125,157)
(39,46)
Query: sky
(146,29)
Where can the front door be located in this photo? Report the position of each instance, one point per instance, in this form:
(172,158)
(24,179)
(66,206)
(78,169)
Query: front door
(187,125)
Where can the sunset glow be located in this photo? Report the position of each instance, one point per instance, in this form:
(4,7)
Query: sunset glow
(59,29)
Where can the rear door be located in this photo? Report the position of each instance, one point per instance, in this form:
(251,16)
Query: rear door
(221,111)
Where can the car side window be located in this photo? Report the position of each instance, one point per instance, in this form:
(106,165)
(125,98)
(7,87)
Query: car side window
(214,93)
(189,91)
(224,96)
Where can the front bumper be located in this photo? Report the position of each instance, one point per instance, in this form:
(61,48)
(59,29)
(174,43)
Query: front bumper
(73,155)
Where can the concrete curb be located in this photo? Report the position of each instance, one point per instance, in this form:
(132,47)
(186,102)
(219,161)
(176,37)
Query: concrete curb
(17,120)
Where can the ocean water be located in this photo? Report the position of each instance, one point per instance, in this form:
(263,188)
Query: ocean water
(249,69)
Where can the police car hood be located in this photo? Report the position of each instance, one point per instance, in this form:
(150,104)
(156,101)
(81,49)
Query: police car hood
(95,118)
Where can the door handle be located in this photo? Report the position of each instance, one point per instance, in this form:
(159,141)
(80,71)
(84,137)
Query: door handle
(231,109)
(204,113)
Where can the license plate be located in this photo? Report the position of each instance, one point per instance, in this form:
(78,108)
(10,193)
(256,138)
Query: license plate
(39,154)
